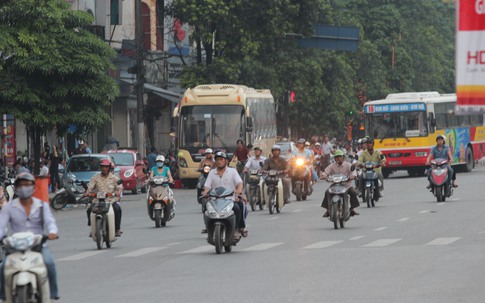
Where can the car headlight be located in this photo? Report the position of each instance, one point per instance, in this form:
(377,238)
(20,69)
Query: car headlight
(421,154)
(128,173)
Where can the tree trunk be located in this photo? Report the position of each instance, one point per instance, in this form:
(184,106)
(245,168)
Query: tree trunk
(35,136)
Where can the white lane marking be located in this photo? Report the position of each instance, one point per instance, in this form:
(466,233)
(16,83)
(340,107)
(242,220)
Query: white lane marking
(321,244)
(297,210)
(380,228)
(82,255)
(382,242)
(423,211)
(172,244)
(263,246)
(403,219)
(440,203)
(274,218)
(443,241)
(356,238)
(141,252)
(198,249)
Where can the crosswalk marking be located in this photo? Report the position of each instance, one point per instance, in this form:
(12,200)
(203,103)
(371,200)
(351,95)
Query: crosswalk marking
(172,244)
(440,203)
(199,249)
(423,211)
(321,244)
(443,241)
(382,242)
(380,228)
(402,219)
(263,246)
(82,255)
(297,210)
(356,238)
(141,252)
(274,218)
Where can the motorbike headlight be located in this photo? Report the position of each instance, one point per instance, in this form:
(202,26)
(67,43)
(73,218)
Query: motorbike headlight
(210,210)
(299,162)
(439,172)
(128,173)
(207,169)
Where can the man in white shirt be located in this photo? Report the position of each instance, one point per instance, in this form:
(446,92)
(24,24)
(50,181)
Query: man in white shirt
(44,170)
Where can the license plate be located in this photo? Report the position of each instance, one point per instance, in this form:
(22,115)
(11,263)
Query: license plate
(395,162)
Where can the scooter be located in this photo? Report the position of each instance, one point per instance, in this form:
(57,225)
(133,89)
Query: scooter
(370,190)
(300,175)
(160,201)
(220,220)
(9,189)
(338,203)
(254,185)
(200,185)
(438,179)
(70,193)
(273,195)
(26,277)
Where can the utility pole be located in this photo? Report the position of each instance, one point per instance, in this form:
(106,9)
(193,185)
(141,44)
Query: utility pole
(139,78)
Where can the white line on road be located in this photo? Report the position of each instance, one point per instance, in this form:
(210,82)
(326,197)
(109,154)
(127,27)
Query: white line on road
(321,244)
(403,219)
(423,211)
(274,218)
(141,252)
(297,210)
(382,242)
(443,241)
(380,228)
(198,249)
(356,238)
(174,243)
(440,203)
(263,246)
(82,255)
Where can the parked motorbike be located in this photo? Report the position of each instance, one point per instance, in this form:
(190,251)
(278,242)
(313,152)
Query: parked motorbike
(160,201)
(254,192)
(70,193)
(204,172)
(220,219)
(299,177)
(439,180)
(338,202)
(370,190)
(25,273)
(274,192)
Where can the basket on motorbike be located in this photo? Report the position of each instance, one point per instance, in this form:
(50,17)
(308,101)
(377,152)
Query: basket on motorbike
(101,207)
(157,181)
(272,178)
(254,176)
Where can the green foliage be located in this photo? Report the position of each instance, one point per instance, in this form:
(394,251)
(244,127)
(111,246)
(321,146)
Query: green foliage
(53,72)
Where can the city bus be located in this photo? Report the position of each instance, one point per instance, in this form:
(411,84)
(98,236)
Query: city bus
(405,125)
(216,116)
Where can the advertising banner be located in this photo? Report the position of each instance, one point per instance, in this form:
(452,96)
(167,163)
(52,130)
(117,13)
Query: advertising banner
(8,143)
(470,57)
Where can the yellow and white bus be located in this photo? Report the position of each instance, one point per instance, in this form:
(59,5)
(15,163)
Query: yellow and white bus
(216,116)
(405,125)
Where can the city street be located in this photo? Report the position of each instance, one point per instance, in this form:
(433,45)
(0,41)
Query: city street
(409,248)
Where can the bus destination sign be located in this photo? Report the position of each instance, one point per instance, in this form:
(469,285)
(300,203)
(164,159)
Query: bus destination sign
(394,108)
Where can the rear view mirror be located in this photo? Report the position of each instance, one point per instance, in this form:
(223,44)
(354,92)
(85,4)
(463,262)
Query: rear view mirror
(119,181)
(261,164)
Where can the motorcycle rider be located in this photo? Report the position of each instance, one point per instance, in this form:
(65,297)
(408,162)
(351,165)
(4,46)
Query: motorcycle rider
(228,177)
(278,163)
(344,168)
(327,150)
(160,169)
(209,159)
(441,150)
(106,182)
(304,153)
(253,162)
(27,213)
(371,155)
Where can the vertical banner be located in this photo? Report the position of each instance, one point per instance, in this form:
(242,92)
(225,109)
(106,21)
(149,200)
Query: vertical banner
(470,57)
(9,148)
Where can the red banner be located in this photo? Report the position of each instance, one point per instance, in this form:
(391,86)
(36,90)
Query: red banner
(9,143)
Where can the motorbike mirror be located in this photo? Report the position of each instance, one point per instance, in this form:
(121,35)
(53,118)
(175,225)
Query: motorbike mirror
(352,168)
(261,164)
(119,181)
(382,157)
(84,184)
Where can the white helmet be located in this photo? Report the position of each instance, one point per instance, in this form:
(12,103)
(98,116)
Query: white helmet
(276,147)
(160,158)
(307,143)
(209,151)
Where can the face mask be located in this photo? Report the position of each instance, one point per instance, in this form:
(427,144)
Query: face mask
(25,192)
(159,164)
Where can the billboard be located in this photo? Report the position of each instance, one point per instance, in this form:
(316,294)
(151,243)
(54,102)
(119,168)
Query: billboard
(9,148)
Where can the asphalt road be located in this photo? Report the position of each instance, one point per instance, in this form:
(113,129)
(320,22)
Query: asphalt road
(409,248)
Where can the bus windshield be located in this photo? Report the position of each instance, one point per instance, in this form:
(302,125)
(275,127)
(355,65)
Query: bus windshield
(397,124)
(217,126)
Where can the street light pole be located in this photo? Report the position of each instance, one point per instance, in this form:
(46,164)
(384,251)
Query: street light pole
(139,78)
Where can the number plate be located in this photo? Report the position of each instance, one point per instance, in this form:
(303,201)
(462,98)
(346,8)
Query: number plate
(395,162)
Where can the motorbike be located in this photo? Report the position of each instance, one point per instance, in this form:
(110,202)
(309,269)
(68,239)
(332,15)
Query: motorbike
(273,195)
(438,179)
(338,202)
(299,176)
(317,163)
(200,185)
(220,220)
(70,193)
(9,189)
(26,277)
(254,189)
(370,190)
(160,201)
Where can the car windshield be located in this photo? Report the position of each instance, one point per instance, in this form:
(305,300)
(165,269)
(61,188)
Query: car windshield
(122,159)
(79,164)
(285,147)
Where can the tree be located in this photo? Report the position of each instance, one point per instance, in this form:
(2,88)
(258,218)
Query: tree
(53,72)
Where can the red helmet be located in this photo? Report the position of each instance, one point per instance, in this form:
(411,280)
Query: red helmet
(105,162)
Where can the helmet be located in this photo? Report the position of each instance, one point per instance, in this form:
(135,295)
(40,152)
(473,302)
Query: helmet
(338,153)
(209,151)
(105,162)
(160,158)
(24,176)
(359,141)
(221,155)
(301,140)
(440,137)
(317,144)
(307,143)
(276,147)
(258,148)
(369,140)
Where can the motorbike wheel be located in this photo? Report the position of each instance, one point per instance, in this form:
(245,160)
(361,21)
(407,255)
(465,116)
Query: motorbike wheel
(218,238)
(158,218)
(277,205)
(252,199)
(99,236)
(59,201)
(367,197)
(261,204)
(228,248)
(23,293)
(298,192)
(271,203)
(372,201)
(335,218)
(342,223)
(108,243)
(439,191)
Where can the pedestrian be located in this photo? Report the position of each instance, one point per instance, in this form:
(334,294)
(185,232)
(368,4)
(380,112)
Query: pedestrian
(44,170)
(87,149)
(152,156)
(79,149)
(54,170)
(47,151)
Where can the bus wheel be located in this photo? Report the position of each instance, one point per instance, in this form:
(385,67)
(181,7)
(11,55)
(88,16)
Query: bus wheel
(469,160)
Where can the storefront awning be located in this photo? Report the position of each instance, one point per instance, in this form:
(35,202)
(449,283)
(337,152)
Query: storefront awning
(166,94)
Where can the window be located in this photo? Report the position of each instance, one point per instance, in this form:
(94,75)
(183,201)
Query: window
(115,12)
